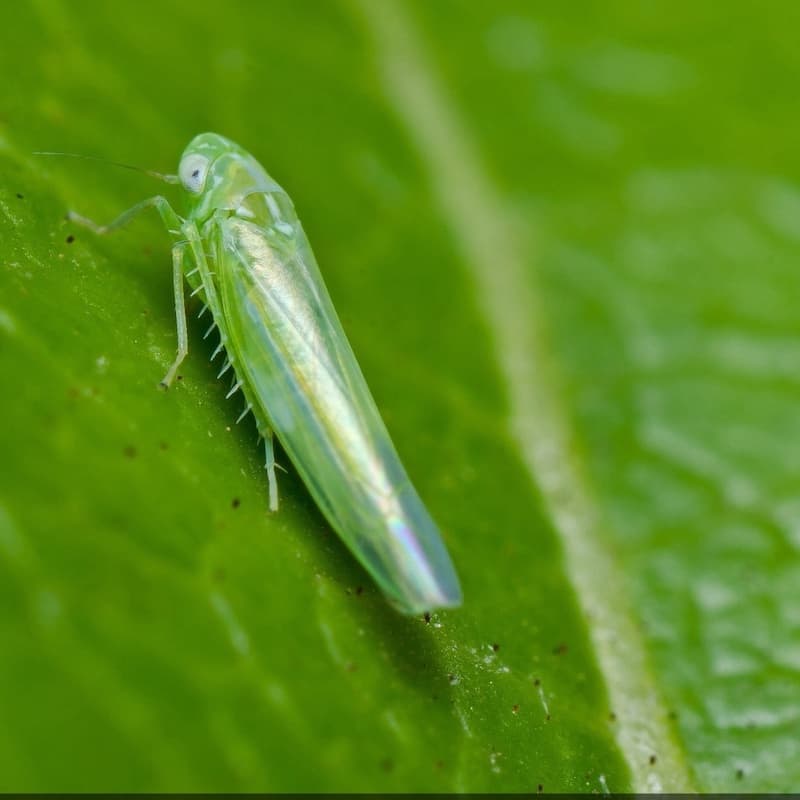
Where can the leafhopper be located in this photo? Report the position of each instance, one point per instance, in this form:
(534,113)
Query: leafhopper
(241,247)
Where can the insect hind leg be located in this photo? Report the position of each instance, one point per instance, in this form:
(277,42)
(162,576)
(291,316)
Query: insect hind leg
(270,466)
(193,238)
(195,244)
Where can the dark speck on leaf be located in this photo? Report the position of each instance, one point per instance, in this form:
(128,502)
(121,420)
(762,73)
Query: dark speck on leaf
(359,589)
(130,451)
(20,196)
(673,715)
(515,708)
(560,649)
(179,378)
(70,239)
(739,774)
(163,446)
(236,502)
(548,718)
(540,788)
(652,760)
(495,647)
(612,717)
(427,617)
(537,682)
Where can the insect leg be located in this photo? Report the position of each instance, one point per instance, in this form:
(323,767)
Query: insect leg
(161,204)
(192,235)
(270,465)
(194,241)
(180,312)
(173,223)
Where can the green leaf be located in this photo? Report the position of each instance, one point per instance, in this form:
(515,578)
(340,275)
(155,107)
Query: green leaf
(563,243)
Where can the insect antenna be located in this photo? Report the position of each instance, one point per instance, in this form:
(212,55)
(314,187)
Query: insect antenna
(152,173)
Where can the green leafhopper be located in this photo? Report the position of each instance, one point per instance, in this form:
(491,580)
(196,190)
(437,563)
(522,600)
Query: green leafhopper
(242,248)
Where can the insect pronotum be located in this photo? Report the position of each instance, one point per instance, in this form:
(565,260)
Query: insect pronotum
(242,248)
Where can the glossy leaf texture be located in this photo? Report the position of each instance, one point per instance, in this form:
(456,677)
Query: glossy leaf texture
(563,242)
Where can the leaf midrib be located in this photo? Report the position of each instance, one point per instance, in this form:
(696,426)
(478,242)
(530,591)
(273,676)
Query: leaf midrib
(494,253)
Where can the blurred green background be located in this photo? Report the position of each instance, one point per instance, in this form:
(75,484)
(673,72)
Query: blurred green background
(563,239)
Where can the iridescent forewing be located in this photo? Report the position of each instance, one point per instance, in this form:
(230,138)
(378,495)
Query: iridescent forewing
(293,353)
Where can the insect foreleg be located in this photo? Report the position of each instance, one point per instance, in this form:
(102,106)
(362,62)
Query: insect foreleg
(173,223)
(161,204)
(178,252)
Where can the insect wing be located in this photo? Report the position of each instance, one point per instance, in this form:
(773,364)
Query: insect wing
(301,371)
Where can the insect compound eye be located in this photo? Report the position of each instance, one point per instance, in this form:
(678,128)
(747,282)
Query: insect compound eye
(193,171)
